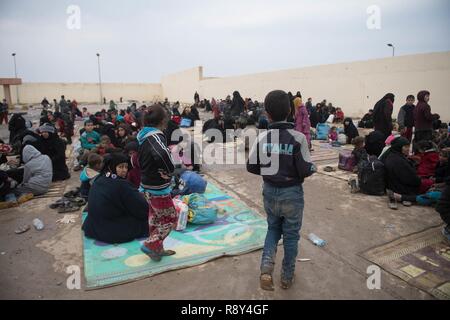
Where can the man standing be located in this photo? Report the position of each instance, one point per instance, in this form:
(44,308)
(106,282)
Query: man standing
(423,119)
(405,118)
(196,97)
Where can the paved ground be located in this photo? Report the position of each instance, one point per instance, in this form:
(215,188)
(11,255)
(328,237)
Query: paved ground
(33,264)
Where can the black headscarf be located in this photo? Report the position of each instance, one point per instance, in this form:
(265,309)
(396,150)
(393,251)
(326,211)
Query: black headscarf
(237,104)
(396,146)
(112,160)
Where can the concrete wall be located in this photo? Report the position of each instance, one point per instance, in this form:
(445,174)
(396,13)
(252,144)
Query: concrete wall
(181,86)
(354,86)
(86,92)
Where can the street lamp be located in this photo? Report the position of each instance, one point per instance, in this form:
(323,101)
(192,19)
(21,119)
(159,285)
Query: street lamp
(393,48)
(99,78)
(15,75)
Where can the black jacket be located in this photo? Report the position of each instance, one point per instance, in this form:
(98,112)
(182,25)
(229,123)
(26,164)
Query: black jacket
(117,212)
(401,174)
(55,148)
(291,151)
(443,205)
(154,158)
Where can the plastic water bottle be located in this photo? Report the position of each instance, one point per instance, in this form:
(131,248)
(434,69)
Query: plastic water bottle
(38,224)
(316,240)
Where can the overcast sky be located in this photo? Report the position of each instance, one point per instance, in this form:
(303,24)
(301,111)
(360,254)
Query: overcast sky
(139,41)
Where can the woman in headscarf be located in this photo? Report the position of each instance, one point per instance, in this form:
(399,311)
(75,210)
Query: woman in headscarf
(423,119)
(237,104)
(55,148)
(382,114)
(314,117)
(117,212)
(403,183)
(350,130)
(302,123)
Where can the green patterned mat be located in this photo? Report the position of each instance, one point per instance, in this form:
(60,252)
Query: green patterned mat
(237,230)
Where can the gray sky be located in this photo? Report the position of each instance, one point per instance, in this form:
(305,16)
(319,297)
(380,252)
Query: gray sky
(139,41)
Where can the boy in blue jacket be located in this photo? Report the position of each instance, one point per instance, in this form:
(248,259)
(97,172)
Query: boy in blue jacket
(281,156)
(90,138)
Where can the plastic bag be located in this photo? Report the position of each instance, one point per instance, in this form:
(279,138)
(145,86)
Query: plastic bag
(182,214)
(201,211)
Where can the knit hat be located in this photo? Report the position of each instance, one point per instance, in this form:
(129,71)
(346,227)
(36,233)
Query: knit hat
(47,127)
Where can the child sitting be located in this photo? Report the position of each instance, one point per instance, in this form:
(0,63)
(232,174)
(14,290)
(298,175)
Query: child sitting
(333,135)
(87,176)
(134,173)
(105,146)
(90,138)
(339,118)
(359,152)
(428,159)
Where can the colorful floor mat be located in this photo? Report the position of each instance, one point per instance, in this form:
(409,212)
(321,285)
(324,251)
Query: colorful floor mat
(421,259)
(238,230)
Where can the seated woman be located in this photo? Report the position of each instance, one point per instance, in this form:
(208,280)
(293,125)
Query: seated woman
(55,148)
(350,130)
(188,114)
(117,212)
(367,120)
(403,183)
(37,173)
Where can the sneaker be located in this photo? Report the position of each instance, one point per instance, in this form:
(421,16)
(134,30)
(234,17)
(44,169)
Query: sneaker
(24,198)
(152,254)
(266,282)
(286,284)
(407,203)
(446,233)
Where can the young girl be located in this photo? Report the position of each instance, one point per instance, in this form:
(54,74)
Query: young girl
(156,168)
(333,135)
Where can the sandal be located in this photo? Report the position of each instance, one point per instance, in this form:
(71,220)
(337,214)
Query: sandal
(59,203)
(22,229)
(167,253)
(329,169)
(78,201)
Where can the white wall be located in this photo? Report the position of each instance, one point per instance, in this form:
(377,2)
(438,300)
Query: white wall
(86,92)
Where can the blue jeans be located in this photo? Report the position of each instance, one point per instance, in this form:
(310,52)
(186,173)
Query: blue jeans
(284,208)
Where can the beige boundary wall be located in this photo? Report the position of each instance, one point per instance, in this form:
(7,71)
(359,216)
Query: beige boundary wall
(354,86)
(87,92)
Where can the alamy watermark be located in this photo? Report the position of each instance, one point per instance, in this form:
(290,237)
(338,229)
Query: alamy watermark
(73,21)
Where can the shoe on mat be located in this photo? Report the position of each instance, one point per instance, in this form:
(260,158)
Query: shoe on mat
(78,201)
(59,203)
(24,198)
(286,284)
(167,253)
(152,254)
(266,282)
(72,193)
(329,169)
(407,203)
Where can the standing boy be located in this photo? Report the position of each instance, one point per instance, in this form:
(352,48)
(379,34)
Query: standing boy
(281,156)
(405,118)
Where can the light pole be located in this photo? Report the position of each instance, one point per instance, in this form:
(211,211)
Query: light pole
(99,78)
(15,75)
(393,49)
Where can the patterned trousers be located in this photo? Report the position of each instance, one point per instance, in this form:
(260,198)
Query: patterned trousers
(162,218)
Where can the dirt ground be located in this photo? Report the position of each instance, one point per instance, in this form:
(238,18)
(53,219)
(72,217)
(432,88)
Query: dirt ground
(33,264)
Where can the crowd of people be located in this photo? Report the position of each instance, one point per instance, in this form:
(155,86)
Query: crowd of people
(127,169)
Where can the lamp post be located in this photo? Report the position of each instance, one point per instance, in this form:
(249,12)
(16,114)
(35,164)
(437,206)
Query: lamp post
(393,49)
(15,75)
(99,78)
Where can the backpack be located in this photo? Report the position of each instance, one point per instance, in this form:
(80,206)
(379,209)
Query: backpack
(371,176)
(346,160)
(322,131)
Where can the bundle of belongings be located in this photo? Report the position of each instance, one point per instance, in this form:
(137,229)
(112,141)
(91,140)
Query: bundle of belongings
(70,202)
(189,200)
